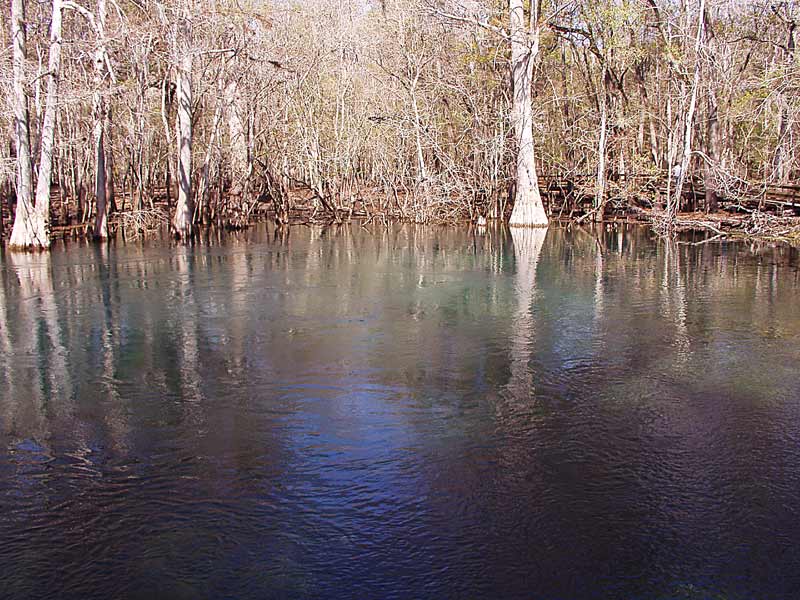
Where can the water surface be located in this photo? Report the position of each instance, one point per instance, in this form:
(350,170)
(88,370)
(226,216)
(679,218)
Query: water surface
(401,413)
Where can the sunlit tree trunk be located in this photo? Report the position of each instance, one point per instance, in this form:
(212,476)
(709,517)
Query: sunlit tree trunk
(712,137)
(99,110)
(528,208)
(422,171)
(237,137)
(49,129)
(23,234)
(182,220)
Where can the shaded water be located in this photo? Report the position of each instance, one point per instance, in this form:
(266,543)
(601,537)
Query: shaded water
(402,413)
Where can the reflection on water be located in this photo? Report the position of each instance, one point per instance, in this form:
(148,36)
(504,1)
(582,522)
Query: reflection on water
(401,413)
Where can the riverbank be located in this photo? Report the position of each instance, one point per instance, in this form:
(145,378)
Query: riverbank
(722,225)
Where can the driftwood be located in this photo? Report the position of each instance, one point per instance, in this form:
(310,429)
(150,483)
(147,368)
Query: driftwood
(755,224)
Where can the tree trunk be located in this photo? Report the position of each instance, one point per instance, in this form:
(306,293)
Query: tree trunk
(600,193)
(528,209)
(687,136)
(166,103)
(111,201)
(23,233)
(182,220)
(782,159)
(205,181)
(237,139)
(422,171)
(49,129)
(711,162)
(99,109)
(712,150)
(101,211)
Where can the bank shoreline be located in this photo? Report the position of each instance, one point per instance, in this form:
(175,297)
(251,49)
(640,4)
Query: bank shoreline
(717,227)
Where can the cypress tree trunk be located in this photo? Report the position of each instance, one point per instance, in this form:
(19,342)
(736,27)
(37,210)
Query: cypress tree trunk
(23,233)
(182,220)
(528,208)
(99,110)
(42,220)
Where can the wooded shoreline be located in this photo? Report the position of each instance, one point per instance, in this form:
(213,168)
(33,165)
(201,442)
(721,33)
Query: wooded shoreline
(204,112)
(762,218)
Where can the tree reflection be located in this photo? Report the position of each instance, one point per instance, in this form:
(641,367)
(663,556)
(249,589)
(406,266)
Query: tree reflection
(528,244)
(45,383)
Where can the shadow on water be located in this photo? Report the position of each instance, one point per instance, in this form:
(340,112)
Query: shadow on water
(400,412)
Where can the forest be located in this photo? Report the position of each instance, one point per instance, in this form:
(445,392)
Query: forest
(133,114)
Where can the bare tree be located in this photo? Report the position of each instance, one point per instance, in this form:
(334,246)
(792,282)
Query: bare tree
(24,232)
(182,219)
(49,128)
(100,112)
(689,119)
(528,208)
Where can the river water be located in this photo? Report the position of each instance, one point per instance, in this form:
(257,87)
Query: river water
(401,413)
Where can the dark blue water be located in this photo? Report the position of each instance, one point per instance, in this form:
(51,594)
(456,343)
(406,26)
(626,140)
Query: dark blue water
(401,413)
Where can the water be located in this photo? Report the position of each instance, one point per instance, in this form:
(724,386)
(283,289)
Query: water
(401,413)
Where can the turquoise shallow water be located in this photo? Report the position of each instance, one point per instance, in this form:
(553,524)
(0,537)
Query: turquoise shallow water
(401,413)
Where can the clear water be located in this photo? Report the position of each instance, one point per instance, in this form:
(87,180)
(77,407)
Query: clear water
(401,413)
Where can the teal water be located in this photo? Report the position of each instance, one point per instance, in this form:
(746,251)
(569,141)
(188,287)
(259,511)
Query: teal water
(401,413)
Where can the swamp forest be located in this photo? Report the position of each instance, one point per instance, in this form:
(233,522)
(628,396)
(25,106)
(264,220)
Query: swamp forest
(136,113)
(429,299)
